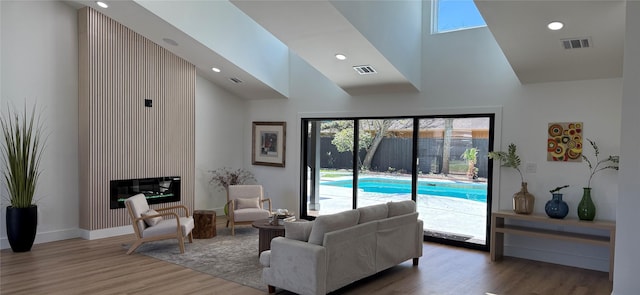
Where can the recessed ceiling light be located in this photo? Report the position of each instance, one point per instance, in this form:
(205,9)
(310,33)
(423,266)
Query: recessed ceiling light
(215,70)
(554,26)
(341,56)
(102,4)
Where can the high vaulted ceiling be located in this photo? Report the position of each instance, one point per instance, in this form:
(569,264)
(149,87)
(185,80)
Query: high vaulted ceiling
(250,41)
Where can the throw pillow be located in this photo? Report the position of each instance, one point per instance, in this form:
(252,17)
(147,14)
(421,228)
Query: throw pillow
(332,222)
(151,221)
(401,208)
(244,203)
(298,230)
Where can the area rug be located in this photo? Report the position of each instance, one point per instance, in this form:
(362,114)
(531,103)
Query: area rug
(233,258)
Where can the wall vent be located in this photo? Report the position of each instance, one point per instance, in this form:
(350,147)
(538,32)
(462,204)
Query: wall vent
(575,43)
(235,80)
(364,70)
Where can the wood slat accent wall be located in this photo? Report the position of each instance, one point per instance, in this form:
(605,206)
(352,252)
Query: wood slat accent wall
(119,137)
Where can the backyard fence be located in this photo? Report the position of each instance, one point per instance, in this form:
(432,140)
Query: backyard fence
(394,155)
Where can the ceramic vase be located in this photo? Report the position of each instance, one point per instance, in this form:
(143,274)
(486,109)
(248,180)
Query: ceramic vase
(556,207)
(523,201)
(586,207)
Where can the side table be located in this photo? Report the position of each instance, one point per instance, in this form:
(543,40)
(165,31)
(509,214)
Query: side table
(204,224)
(266,232)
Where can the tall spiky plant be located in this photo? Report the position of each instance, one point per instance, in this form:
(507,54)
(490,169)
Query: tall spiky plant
(21,151)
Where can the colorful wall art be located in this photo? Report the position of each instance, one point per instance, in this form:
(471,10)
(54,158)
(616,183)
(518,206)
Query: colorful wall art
(564,142)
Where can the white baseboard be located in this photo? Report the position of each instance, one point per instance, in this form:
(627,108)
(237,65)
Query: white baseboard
(105,233)
(59,235)
(45,237)
(562,258)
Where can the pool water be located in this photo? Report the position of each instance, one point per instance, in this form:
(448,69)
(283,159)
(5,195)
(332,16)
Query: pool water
(461,190)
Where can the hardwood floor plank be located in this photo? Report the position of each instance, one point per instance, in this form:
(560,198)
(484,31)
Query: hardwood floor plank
(102,267)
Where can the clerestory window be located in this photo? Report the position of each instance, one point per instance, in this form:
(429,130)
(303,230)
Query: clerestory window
(454,15)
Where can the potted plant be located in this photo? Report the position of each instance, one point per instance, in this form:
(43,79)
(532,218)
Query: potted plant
(224,177)
(556,207)
(21,154)
(471,156)
(523,201)
(586,207)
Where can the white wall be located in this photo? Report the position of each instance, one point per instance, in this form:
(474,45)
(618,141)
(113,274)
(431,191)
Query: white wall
(458,78)
(627,262)
(220,118)
(39,66)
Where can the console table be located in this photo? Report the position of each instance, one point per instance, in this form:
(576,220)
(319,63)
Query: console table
(499,228)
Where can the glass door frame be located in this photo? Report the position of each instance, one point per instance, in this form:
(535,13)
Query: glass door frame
(304,131)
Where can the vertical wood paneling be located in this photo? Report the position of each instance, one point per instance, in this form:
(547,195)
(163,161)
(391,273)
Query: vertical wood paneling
(119,137)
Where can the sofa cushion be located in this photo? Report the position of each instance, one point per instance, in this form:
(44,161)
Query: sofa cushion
(168,226)
(331,222)
(298,230)
(153,220)
(374,212)
(401,208)
(244,203)
(250,214)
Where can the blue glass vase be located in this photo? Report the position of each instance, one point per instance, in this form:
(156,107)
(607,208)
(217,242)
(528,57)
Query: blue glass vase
(556,207)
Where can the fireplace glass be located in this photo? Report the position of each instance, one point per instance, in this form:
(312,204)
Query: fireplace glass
(157,190)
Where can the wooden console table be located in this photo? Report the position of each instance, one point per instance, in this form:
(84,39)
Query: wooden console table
(499,228)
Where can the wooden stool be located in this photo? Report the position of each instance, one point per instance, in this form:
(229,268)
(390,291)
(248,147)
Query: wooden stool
(205,224)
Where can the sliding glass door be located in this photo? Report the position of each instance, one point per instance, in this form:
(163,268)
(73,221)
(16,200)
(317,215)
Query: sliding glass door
(439,162)
(328,158)
(452,181)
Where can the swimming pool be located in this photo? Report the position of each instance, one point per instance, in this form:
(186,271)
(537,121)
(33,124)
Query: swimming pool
(455,189)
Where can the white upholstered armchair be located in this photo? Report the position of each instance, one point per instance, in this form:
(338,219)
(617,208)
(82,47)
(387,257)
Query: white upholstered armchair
(157,224)
(246,204)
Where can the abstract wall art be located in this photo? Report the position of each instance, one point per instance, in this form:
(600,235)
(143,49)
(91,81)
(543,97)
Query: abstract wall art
(564,142)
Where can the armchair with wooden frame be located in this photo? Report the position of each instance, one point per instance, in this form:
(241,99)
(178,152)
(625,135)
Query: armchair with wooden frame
(246,204)
(156,224)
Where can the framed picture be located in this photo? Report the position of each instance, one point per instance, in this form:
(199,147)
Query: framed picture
(564,141)
(269,143)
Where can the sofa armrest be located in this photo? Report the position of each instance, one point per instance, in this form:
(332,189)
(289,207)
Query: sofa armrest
(296,266)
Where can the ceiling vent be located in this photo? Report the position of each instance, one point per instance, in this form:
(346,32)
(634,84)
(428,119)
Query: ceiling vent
(364,70)
(235,80)
(575,43)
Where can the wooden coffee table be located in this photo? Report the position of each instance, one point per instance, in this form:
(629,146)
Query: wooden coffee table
(266,232)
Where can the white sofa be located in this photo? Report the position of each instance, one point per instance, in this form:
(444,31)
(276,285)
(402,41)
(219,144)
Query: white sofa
(321,256)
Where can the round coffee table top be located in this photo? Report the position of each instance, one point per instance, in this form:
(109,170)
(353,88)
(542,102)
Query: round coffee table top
(266,224)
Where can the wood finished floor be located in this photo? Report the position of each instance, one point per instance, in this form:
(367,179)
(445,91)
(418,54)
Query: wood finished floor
(79,266)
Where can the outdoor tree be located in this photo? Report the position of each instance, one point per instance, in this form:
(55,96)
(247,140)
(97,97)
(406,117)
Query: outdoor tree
(379,128)
(343,139)
(446,149)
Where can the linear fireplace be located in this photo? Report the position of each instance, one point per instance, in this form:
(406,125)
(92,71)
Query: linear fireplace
(157,190)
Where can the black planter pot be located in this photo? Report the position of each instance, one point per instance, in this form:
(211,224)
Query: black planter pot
(21,227)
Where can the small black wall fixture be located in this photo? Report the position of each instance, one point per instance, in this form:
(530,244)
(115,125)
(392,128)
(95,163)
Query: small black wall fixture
(148,103)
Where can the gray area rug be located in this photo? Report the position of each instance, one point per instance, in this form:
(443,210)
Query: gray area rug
(233,258)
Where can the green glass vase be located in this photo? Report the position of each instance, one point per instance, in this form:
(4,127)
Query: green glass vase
(586,207)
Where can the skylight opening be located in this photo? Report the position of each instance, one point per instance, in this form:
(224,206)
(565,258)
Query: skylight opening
(455,15)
